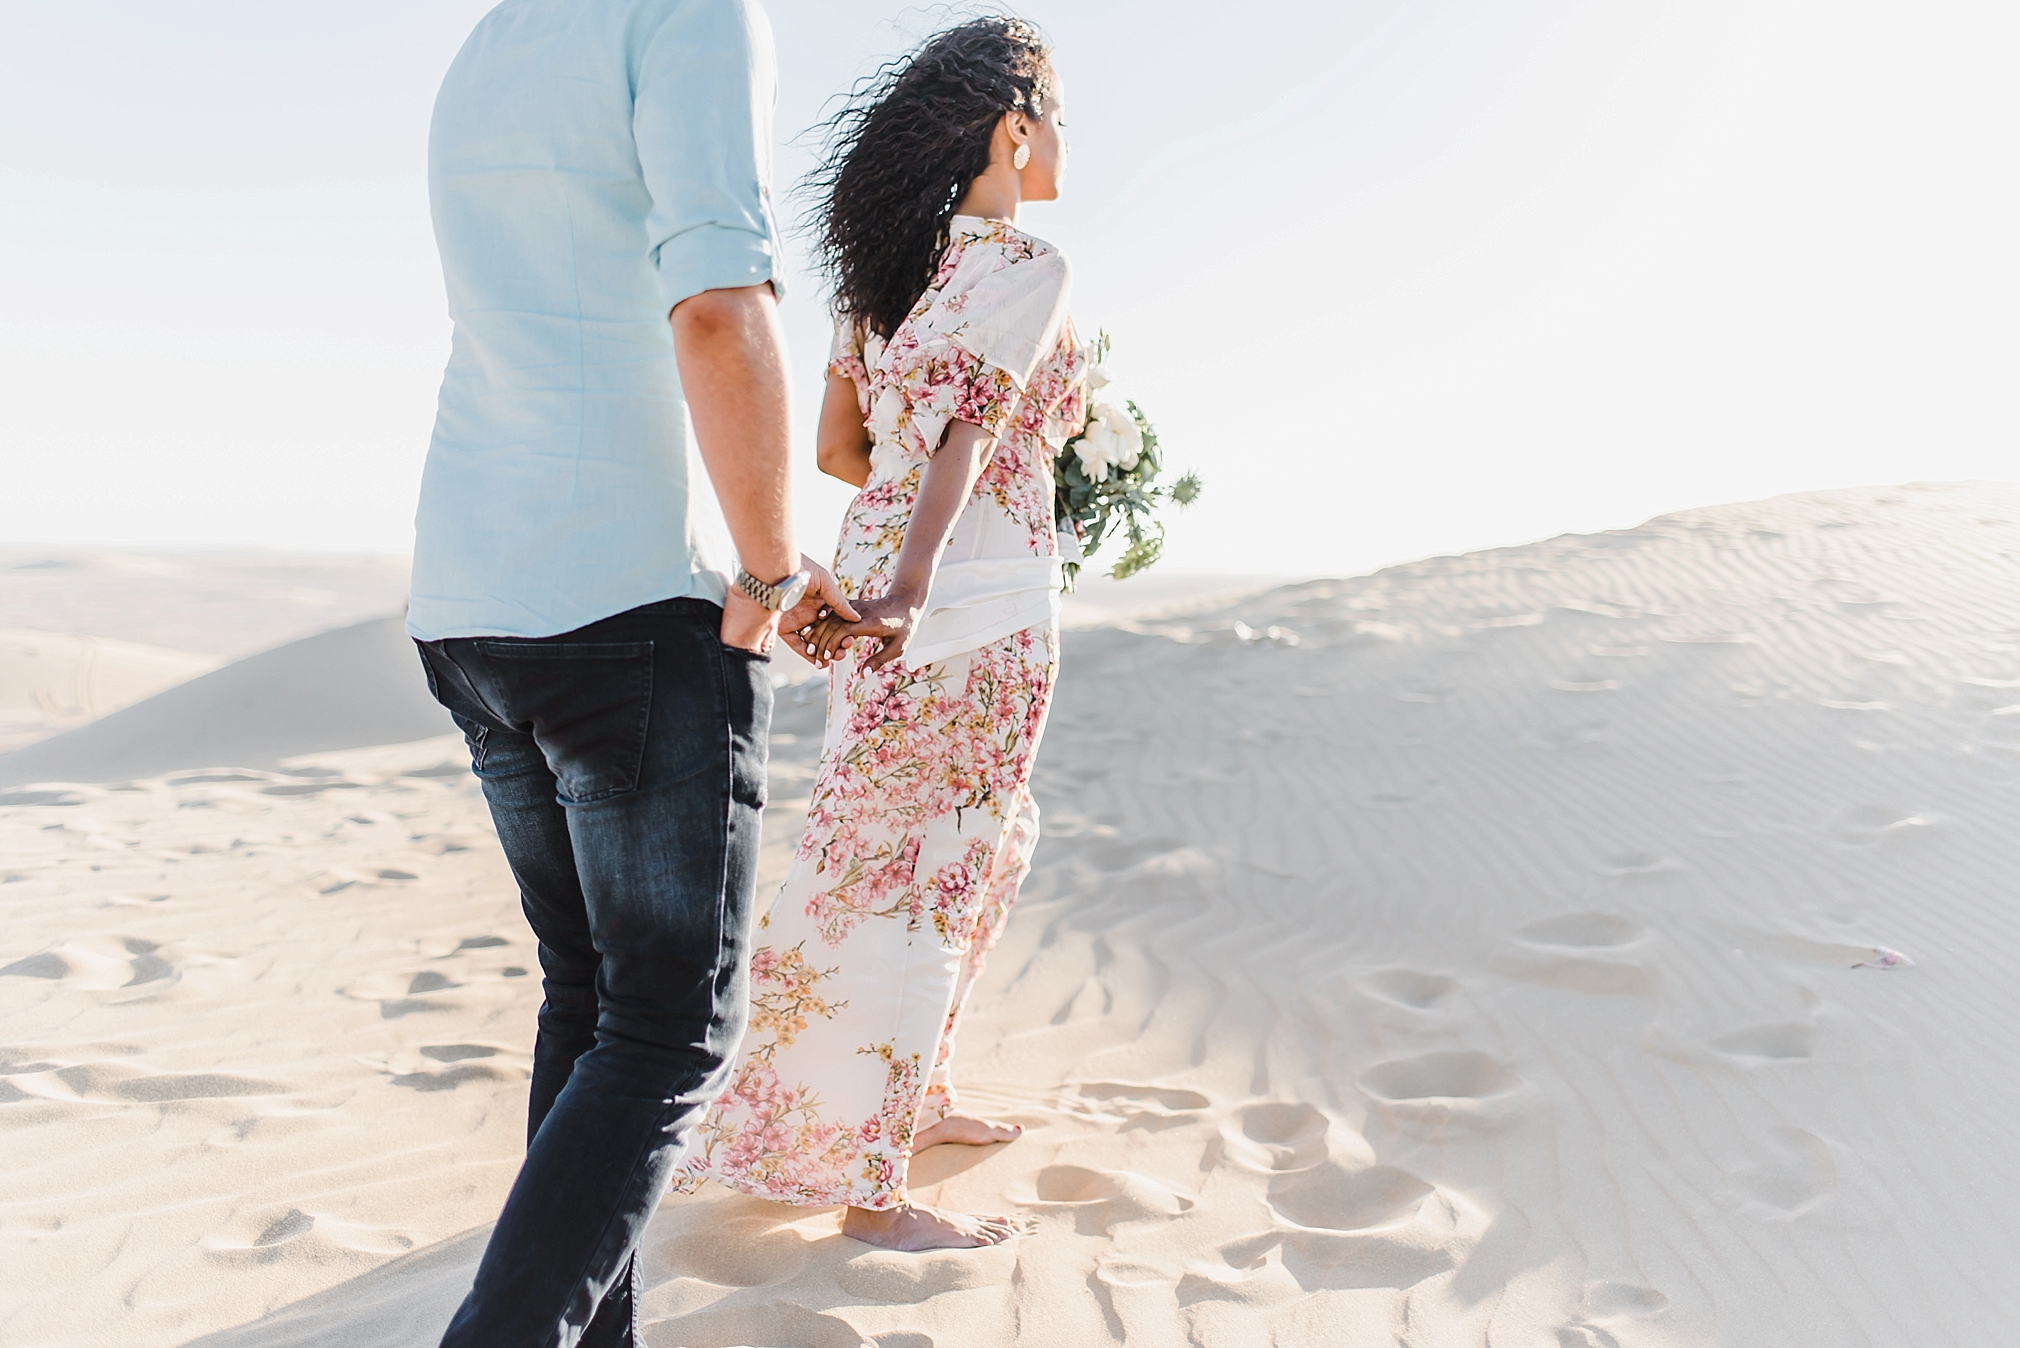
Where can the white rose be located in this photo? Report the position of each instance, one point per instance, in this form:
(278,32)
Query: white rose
(1097,377)
(1113,441)
(1092,450)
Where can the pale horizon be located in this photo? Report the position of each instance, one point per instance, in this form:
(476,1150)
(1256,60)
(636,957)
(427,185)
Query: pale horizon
(1400,281)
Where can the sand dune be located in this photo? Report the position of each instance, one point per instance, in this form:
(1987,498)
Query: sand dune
(52,680)
(1601,942)
(359,685)
(222,604)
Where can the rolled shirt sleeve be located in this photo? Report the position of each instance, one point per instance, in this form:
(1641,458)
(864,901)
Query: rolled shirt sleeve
(702,119)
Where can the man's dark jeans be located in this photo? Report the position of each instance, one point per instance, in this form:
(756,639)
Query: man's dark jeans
(624,765)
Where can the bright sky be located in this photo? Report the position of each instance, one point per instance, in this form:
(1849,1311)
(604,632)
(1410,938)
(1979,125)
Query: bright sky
(1399,277)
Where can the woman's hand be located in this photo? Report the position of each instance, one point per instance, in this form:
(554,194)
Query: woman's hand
(823,597)
(889,622)
(944,488)
(749,626)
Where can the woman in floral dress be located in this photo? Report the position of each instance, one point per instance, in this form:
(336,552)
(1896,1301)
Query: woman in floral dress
(955,377)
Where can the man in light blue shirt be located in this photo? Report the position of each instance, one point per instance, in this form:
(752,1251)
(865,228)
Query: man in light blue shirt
(591,165)
(599,171)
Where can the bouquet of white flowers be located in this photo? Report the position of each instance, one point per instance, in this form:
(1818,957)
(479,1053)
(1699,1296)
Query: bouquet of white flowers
(1105,474)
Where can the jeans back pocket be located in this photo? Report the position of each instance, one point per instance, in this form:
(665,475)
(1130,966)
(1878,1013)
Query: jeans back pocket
(588,705)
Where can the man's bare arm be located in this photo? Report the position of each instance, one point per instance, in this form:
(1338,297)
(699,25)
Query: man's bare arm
(733,368)
(732,365)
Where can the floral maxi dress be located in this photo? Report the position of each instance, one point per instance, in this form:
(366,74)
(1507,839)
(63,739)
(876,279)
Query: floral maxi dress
(921,824)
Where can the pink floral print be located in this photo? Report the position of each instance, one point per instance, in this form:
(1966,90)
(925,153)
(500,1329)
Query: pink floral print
(921,824)
(916,841)
(909,389)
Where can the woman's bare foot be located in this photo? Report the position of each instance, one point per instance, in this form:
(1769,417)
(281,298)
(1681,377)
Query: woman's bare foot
(966,1132)
(913,1228)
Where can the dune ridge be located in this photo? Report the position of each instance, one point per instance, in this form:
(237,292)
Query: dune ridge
(1594,943)
(350,688)
(50,681)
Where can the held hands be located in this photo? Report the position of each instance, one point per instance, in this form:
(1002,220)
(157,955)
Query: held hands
(889,622)
(749,626)
(823,597)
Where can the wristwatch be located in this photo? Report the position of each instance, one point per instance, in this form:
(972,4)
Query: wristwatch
(778,596)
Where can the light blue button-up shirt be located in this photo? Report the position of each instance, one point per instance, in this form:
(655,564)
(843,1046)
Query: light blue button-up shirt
(592,163)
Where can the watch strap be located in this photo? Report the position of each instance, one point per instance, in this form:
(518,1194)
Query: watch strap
(768,595)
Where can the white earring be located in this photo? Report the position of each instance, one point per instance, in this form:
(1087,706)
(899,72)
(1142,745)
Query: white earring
(1021,158)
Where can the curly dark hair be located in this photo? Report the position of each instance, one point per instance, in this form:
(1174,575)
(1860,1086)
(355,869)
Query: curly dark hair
(903,150)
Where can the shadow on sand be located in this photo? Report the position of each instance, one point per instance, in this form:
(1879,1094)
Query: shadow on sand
(404,1304)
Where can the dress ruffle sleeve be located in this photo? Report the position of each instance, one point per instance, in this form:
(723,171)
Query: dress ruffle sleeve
(971,355)
(846,358)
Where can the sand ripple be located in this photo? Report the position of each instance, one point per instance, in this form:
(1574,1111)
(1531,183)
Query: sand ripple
(1602,942)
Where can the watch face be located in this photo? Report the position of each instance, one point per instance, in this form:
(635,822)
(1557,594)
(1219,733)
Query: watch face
(793,590)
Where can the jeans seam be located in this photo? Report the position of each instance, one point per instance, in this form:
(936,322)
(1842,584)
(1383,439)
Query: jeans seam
(582,1274)
(722,855)
(475,733)
(477,650)
(644,717)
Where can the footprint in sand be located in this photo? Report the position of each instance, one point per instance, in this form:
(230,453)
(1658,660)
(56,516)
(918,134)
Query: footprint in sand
(741,1323)
(1278,1136)
(1172,1098)
(457,1052)
(1100,1200)
(267,1236)
(1583,931)
(1573,952)
(1786,1042)
(1798,1175)
(1330,1197)
(755,1251)
(404,995)
(1117,856)
(1390,1253)
(453,1077)
(97,964)
(337,881)
(1636,865)
(116,1083)
(1447,1074)
(1250,1278)
(1450,1085)
(1144,1107)
(1607,1300)
(1586,1336)
(1610,1307)
(1409,989)
(909,1279)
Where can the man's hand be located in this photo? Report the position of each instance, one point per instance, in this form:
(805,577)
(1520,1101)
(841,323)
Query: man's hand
(823,597)
(748,625)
